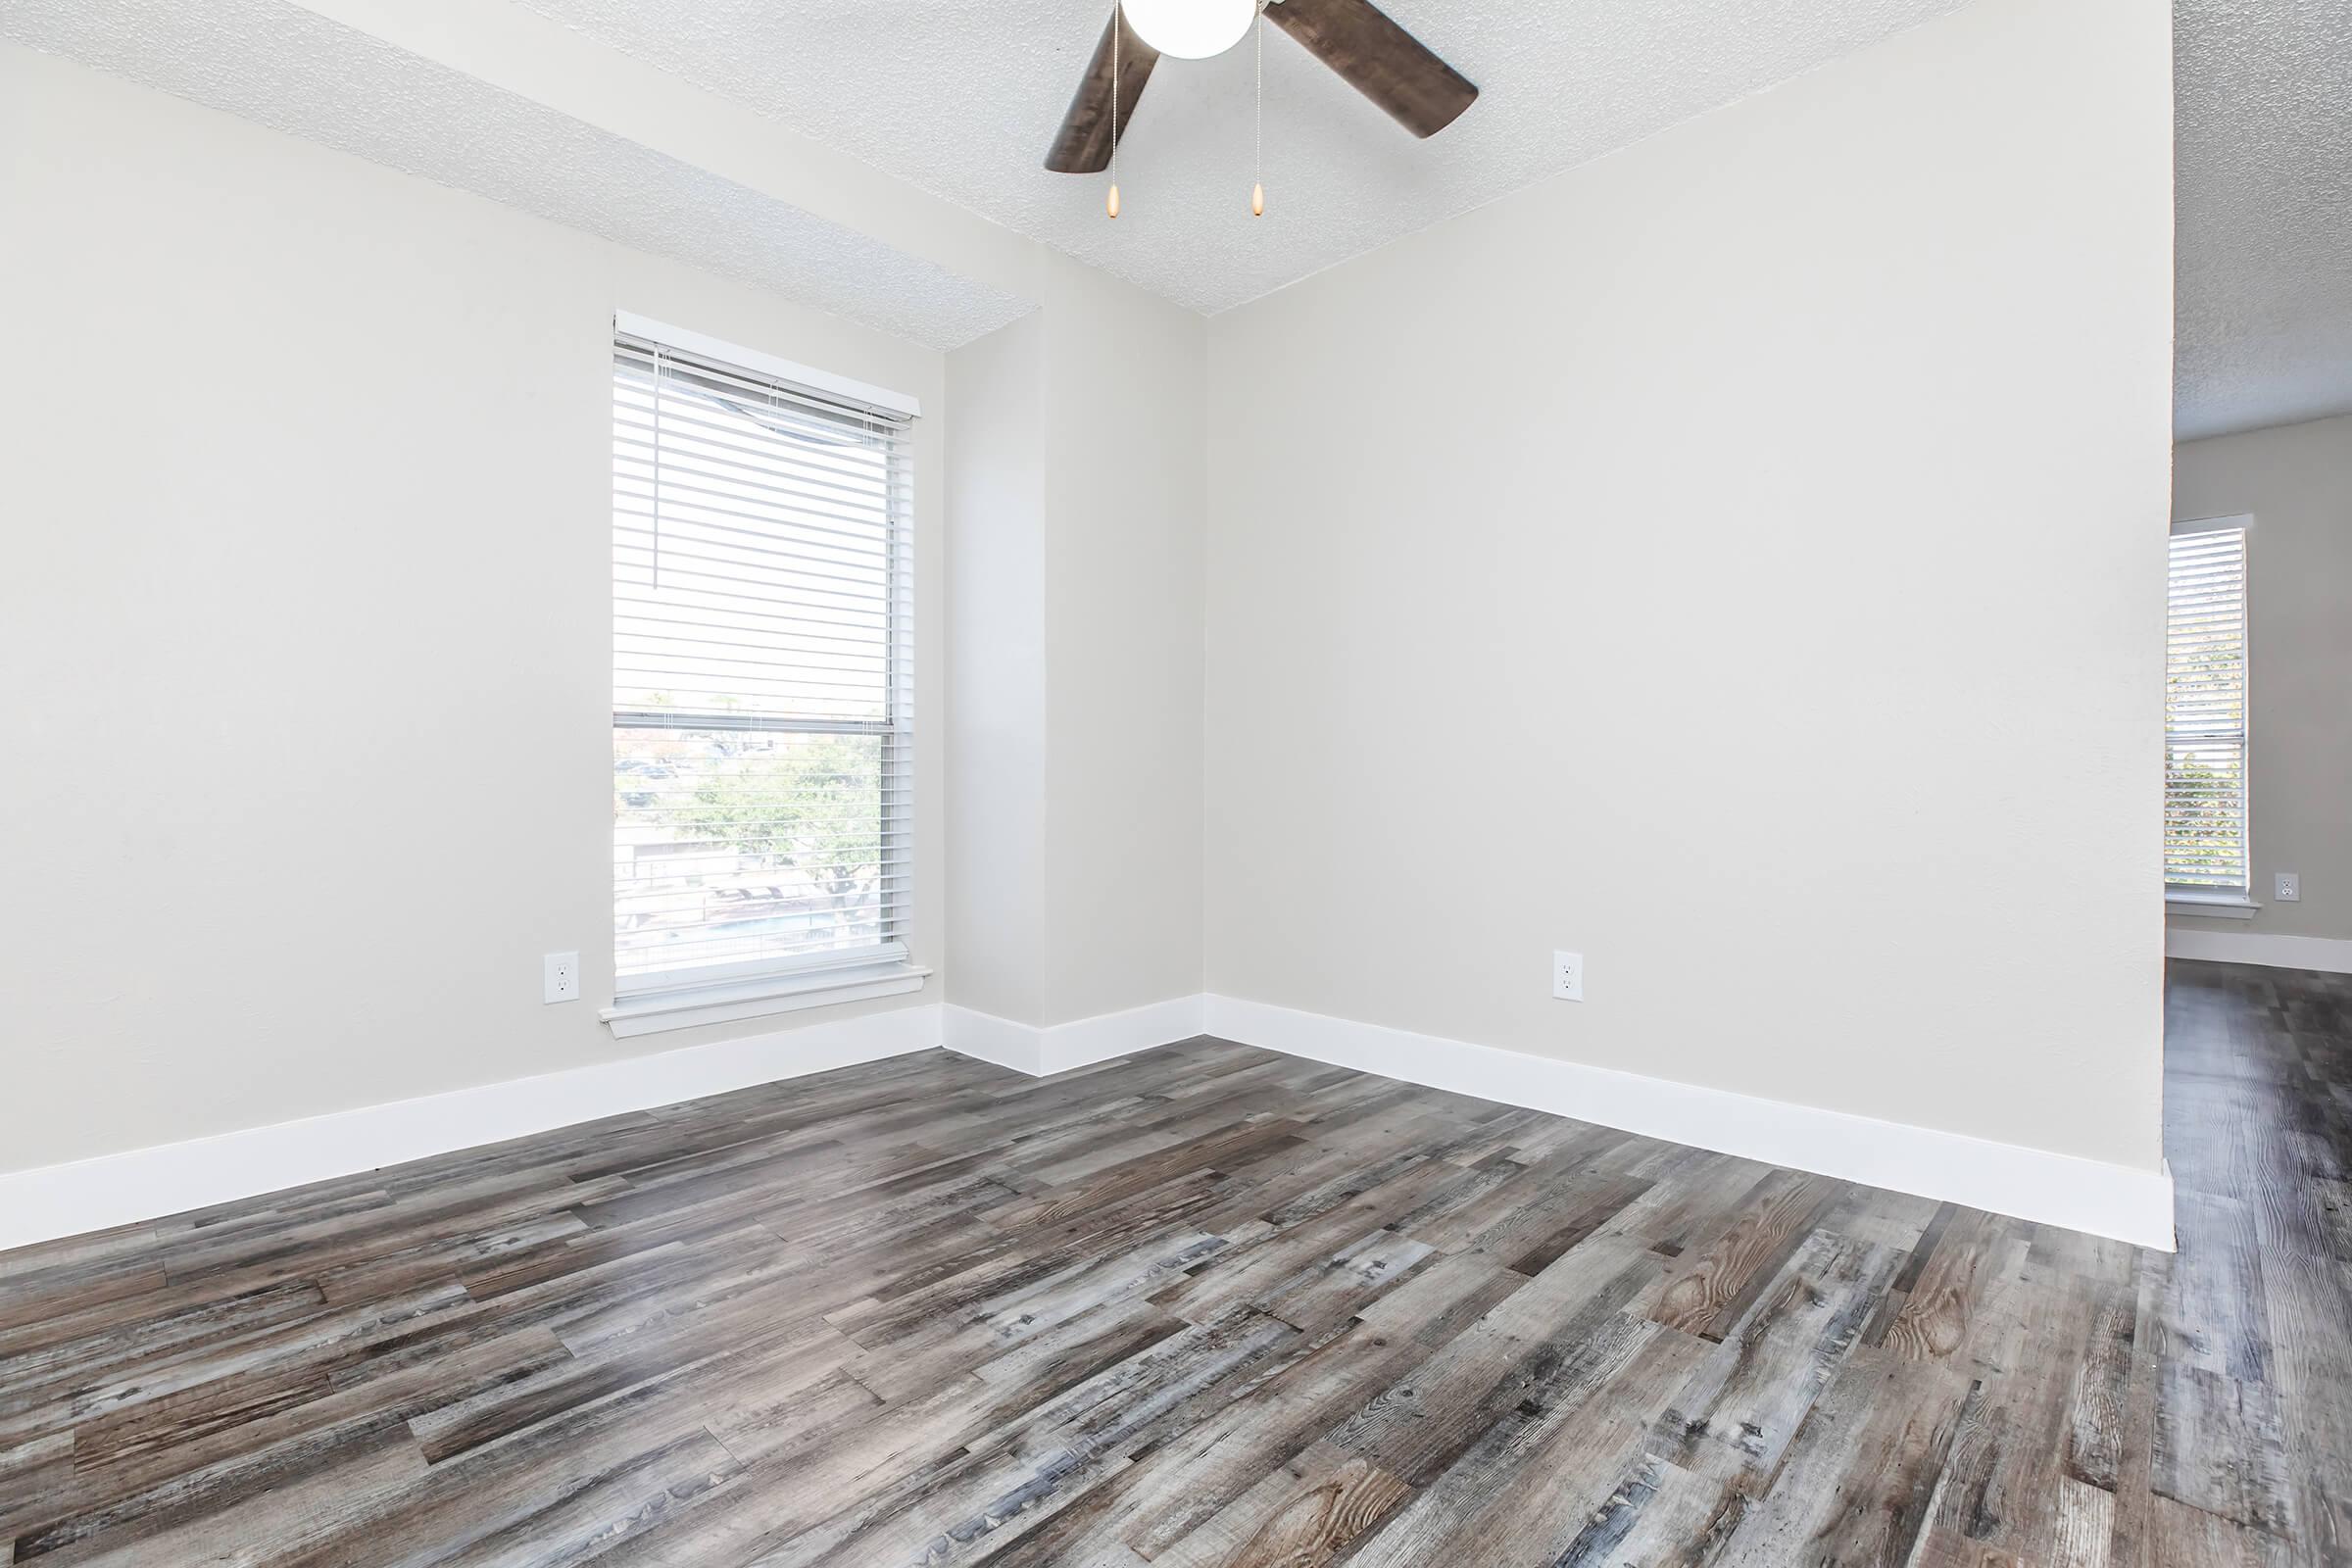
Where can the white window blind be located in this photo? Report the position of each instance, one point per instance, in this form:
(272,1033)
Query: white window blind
(763,675)
(2205,839)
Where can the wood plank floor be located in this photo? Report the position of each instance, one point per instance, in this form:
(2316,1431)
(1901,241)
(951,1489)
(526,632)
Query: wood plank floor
(1207,1306)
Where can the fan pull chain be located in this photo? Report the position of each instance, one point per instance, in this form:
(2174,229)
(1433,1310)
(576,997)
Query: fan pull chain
(1257,38)
(1118,22)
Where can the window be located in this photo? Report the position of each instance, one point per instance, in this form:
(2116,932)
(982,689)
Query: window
(762,680)
(2205,837)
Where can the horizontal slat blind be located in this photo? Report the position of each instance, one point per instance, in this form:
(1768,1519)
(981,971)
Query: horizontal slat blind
(2205,798)
(763,673)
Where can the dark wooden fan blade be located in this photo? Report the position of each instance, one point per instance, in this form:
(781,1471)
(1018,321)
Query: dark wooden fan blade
(1083,144)
(1379,59)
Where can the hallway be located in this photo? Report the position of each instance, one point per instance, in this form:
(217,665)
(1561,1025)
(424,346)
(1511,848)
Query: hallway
(2251,1321)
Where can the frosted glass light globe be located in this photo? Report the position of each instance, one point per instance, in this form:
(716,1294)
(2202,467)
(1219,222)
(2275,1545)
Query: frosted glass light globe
(1191,30)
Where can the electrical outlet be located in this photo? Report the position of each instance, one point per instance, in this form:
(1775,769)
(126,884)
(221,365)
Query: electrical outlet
(1568,977)
(2287,887)
(562,977)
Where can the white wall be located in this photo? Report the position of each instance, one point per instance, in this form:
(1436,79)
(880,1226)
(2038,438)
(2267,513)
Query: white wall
(1740,560)
(306,618)
(1075,546)
(2296,479)
(1125,492)
(997,672)
(1555,551)
(313,632)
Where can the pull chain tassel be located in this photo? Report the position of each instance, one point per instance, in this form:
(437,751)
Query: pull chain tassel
(1258,44)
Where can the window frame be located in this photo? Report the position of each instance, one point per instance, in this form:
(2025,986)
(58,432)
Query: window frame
(693,995)
(2197,898)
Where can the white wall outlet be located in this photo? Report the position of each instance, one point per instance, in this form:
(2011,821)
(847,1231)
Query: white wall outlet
(562,977)
(2287,887)
(1568,977)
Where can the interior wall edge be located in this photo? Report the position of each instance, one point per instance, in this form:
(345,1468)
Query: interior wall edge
(138,1185)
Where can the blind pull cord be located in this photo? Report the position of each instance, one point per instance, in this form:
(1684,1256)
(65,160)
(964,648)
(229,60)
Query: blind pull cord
(660,361)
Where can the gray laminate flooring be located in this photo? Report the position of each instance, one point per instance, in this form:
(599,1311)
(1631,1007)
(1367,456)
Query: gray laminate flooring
(1208,1306)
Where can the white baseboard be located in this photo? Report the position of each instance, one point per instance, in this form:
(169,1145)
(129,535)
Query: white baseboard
(1037,1052)
(2271,950)
(142,1184)
(988,1038)
(2083,1195)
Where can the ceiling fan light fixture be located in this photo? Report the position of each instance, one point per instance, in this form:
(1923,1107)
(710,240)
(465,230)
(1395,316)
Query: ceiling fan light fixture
(1191,30)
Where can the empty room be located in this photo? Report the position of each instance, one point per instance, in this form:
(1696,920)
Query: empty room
(1176,784)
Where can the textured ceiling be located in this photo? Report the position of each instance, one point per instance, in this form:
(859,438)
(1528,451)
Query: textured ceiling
(2262,95)
(290,69)
(961,97)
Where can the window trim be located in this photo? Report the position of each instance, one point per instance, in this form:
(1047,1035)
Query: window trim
(2198,899)
(640,1012)
(2207,903)
(761,987)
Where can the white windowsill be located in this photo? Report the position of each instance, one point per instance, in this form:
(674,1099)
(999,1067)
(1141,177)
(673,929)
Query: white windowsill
(654,1010)
(2212,906)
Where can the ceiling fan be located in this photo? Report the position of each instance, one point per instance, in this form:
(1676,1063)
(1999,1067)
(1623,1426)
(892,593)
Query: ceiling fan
(1354,38)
